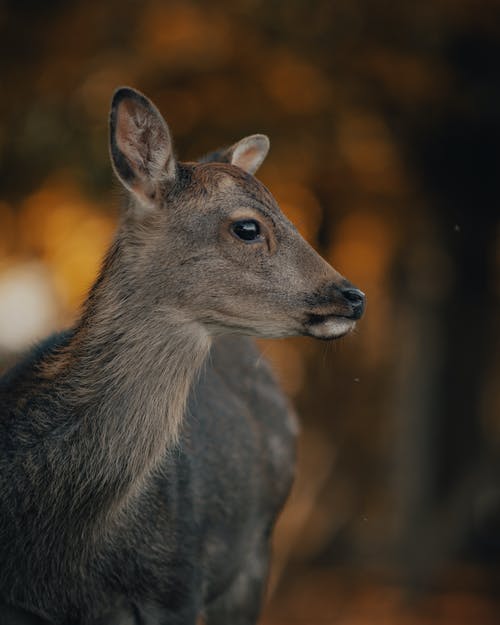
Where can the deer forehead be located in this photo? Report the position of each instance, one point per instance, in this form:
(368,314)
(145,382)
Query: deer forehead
(225,183)
(224,178)
(233,187)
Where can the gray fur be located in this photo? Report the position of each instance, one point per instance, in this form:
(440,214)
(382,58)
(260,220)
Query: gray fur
(139,478)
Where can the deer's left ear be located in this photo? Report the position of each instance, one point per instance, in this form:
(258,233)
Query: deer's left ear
(249,153)
(140,146)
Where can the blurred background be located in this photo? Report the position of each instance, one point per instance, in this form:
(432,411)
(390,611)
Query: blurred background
(384,120)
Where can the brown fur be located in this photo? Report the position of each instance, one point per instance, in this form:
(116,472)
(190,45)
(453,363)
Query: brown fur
(117,504)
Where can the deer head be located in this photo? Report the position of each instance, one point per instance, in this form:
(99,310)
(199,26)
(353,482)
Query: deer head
(208,242)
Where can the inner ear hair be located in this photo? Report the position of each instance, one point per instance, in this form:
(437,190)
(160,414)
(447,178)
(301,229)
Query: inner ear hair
(248,153)
(140,144)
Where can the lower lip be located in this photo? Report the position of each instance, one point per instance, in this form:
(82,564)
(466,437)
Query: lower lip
(330,328)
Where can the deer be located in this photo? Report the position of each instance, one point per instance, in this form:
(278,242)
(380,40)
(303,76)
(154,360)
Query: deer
(147,451)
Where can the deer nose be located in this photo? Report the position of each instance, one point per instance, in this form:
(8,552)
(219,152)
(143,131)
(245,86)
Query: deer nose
(356,299)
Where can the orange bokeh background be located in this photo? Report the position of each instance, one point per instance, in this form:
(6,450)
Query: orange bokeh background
(384,121)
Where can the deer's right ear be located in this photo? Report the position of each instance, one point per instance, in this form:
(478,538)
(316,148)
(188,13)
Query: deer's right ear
(140,146)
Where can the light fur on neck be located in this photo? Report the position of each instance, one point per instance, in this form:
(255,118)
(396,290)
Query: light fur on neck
(126,375)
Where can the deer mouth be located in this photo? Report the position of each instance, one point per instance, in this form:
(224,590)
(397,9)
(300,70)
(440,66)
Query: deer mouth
(328,327)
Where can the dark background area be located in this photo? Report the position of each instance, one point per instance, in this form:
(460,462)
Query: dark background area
(384,119)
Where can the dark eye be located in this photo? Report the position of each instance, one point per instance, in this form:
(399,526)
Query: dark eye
(246,230)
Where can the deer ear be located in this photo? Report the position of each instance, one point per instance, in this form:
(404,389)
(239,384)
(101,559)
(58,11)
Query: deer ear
(249,153)
(140,146)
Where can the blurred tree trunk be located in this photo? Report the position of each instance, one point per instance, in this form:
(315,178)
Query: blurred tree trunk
(447,335)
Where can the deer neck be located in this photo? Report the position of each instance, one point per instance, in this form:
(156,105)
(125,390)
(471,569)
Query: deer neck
(128,370)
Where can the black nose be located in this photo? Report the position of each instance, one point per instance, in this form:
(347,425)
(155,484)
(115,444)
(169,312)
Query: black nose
(356,299)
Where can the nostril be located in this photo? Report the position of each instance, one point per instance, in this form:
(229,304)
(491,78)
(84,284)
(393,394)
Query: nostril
(355,296)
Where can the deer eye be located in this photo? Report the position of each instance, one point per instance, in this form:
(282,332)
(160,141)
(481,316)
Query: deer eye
(246,230)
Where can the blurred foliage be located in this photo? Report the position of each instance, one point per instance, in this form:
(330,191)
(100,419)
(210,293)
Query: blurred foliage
(385,124)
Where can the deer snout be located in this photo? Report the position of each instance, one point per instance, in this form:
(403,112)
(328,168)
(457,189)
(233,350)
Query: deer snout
(334,310)
(357,301)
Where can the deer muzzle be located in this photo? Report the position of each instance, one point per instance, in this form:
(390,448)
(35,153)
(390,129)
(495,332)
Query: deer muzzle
(334,310)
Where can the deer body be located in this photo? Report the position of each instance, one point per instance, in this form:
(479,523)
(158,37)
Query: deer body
(198,507)
(145,455)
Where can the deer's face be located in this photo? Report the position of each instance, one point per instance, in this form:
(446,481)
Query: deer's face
(216,246)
